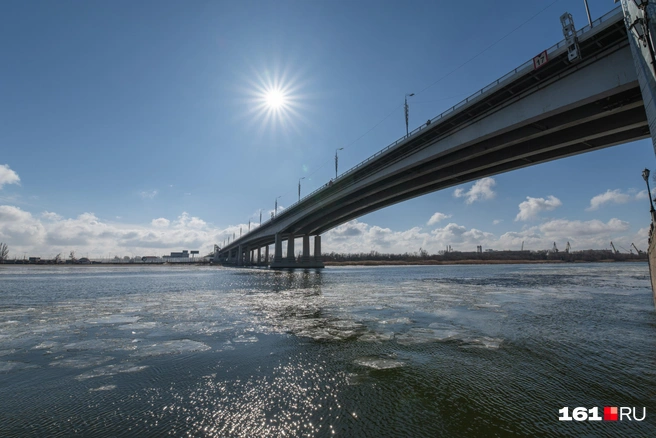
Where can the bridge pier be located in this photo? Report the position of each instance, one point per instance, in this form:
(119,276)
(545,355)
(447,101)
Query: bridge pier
(317,251)
(266,255)
(291,258)
(259,256)
(307,260)
(240,255)
(277,254)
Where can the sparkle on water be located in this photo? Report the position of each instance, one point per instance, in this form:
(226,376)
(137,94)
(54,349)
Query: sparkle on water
(408,351)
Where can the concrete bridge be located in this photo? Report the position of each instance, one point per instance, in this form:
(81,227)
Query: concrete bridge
(580,95)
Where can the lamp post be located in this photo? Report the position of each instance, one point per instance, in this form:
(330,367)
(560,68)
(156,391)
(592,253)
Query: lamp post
(587,9)
(645,176)
(275,209)
(299,188)
(260,217)
(336,160)
(407,110)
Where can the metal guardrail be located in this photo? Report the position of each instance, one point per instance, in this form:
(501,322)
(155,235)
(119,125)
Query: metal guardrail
(514,74)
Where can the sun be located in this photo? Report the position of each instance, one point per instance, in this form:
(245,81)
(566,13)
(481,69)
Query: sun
(275,99)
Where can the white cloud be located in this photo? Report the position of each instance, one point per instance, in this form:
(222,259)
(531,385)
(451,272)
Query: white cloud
(481,190)
(51,234)
(437,217)
(530,208)
(611,196)
(642,194)
(160,222)
(148,194)
(564,228)
(8,176)
(497,221)
(51,216)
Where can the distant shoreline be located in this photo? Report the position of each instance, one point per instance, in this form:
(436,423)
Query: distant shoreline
(465,262)
(353,263)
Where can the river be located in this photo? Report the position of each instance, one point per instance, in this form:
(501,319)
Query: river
(493,350)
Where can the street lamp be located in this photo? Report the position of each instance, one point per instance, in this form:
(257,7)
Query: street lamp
(587,9)
(275,209)
(336,160)
(405,106)
(299,188)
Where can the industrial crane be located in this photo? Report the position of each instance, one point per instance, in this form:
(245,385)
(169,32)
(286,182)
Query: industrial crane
(614,249)
(567,248)
(554,249)
(636,248)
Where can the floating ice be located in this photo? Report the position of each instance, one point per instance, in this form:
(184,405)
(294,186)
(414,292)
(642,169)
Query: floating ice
(81,362)
(103,388)
(171,347)
(114,319)
(376,337)
(425,335)
(404,320)
(111,370)
(98,345)
(245,339)
(378,363)
(484,342)
(46,345)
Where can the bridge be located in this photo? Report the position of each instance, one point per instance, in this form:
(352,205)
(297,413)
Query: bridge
(585,93)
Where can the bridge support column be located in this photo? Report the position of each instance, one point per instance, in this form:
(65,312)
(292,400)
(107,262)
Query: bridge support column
(306,249)
(277,251)
(259,256)
(291,257)
(240,255)
(266,255)
(317,262)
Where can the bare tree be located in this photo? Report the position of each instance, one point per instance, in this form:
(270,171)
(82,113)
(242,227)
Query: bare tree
(4,252)
(58,259)
(72,257)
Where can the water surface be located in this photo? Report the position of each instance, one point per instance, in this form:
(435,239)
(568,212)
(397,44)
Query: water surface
(491,350)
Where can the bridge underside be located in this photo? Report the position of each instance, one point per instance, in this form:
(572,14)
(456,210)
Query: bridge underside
(599,124)
(556,111)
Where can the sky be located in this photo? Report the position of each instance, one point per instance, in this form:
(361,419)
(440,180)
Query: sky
(136,128)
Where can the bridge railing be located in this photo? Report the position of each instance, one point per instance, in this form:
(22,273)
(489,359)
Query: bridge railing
(508,77)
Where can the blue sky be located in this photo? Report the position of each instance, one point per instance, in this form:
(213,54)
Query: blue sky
(138,128)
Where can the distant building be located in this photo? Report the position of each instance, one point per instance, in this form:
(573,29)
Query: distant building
(149,259)
(183,254)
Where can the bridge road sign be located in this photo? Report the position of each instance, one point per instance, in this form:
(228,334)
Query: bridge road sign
(540,60)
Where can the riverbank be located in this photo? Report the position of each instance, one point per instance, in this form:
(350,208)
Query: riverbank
(464,262)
